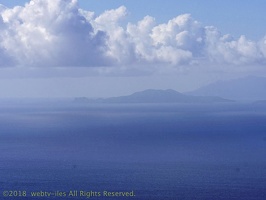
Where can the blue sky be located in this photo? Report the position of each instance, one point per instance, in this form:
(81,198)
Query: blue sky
(53,44)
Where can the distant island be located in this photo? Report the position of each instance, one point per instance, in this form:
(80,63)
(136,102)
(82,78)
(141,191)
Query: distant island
(251,88)
(155,96)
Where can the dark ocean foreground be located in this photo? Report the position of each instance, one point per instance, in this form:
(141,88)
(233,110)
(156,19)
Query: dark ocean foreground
(144,151)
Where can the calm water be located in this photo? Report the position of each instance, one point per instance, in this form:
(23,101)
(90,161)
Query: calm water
(157,151)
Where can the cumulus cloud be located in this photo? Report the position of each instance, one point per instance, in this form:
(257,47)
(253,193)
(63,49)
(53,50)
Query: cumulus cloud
(262,46)
(225,49)
(59,33)
(49,33)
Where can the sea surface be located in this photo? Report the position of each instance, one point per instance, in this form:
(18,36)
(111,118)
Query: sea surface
(63,150)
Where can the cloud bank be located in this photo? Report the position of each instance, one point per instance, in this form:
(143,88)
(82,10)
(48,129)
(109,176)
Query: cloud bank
(58,33)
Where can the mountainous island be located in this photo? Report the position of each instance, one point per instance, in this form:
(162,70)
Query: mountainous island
(155,96)
(252,88)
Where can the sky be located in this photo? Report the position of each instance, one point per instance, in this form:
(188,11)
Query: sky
(97,48)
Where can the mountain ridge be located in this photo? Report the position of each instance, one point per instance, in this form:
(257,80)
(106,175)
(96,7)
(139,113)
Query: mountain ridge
(155,96)
(247,88)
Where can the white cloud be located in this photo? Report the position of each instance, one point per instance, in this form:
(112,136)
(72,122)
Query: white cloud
(180,41)
(262,46)
(118,42)
(58,33)
(224,49)
(51,33)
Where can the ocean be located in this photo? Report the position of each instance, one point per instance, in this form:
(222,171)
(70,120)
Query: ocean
(63,150)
